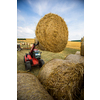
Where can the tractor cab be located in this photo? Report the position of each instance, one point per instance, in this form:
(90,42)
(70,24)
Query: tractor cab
(37,54)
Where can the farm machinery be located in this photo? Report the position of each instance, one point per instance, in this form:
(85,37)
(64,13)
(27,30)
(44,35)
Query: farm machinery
(19,47)
(33,58)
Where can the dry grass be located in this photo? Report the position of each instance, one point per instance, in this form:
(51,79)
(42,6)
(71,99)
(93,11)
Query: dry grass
(46,56)
(29,88)
(62,80)
(74,45)
(27,40)
(74,58)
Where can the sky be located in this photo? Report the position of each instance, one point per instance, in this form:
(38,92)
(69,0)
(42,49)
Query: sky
(29,12)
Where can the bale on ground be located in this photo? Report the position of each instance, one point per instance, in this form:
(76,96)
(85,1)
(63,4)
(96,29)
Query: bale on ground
(77,53)
(82,47)
(29,88)
(52,32)
(75,58)
(62,80)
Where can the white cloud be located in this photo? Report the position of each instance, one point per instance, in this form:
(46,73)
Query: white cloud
(19,16)
(65,10)
(39,7)
(76,31)
(26,32)
(43,7)
(18,10)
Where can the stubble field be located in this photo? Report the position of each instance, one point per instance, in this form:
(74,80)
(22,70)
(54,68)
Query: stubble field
(46,56)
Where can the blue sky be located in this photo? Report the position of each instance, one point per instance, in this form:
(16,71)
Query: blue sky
(29,12)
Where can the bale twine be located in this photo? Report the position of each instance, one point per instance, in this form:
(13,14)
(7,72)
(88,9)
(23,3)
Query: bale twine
(52,32)
(62,80)
(29,88)
(82,47)
(75,58)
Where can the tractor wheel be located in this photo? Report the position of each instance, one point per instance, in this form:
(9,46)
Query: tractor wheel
(28,66)
(41,62)
(26,55)
(31,61)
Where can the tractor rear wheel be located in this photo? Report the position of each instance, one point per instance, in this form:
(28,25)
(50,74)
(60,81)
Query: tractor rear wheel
(41,62)
(28,66)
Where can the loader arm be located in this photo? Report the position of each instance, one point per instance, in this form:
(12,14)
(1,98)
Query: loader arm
(33,47)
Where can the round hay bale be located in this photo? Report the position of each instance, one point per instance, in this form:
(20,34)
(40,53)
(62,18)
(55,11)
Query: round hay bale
(45,71)
(82,47)
(39,46)
(75,58)
(29,88)
(62,80)
(77,53)
(52,32)
(82,94)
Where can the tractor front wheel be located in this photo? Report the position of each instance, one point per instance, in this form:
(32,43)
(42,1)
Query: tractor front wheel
(41,62)
(28,66)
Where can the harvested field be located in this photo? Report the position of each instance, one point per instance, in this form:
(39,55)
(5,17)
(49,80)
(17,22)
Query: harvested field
(62,80)
(52,32)
(46,56)
(73,45)
(29,88)
(27,40)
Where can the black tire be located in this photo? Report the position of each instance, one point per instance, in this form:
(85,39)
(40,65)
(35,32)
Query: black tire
(41,62)
(28,66)
(26,55)
(31,61)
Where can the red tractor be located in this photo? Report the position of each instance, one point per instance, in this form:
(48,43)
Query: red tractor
(33,58)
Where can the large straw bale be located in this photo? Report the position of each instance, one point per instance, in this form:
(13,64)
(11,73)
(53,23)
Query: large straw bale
(45,71)
(75,58)
(62,80)
(82,94)
(29,88)
(39,46)
(82,47)
(52,32)
(77,53)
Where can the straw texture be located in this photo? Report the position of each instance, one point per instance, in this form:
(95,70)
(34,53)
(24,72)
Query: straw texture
(29,88)
(52,32)
(63,80)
